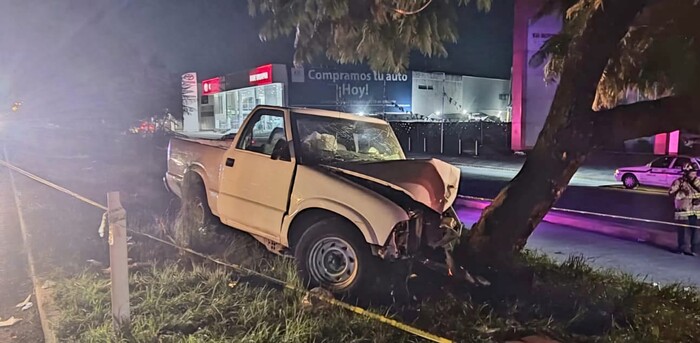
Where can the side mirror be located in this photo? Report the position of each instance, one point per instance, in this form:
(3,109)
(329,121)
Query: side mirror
(281,151)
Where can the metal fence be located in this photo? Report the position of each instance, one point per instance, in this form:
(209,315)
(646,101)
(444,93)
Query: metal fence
(453,138)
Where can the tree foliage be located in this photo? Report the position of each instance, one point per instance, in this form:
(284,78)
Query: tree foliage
(657,57)
(381,33)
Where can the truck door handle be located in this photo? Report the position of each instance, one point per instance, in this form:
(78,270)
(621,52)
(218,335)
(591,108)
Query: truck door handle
(230,162)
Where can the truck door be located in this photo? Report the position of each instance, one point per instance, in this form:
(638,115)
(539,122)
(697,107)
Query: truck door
(254,186)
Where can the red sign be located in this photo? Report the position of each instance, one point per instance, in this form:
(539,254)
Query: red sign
(261,75)
(211,86)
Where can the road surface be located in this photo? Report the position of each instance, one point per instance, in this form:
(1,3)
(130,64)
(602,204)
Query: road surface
(592,190)
(643,261)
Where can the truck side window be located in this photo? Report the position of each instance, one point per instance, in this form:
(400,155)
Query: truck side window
(262,133)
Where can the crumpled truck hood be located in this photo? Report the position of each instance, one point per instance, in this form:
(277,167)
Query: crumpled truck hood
(431,182)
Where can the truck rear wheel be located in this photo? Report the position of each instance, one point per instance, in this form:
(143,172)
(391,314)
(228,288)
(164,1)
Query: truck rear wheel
(332,254)
(195,224)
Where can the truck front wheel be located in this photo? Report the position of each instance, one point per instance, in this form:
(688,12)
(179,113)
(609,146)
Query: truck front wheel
(332,254)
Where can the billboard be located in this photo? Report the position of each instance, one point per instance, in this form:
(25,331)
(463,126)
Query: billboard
(358,90)
(190,102)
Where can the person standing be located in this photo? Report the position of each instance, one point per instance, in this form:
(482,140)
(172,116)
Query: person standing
(686,193)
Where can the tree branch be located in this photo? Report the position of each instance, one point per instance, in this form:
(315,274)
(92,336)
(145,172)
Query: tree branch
(646,118)
(406,12)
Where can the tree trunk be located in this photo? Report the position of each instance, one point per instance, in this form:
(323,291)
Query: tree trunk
(561,148)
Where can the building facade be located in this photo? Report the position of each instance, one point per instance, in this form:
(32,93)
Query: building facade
(227,99)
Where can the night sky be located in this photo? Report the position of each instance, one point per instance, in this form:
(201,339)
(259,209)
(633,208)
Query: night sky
(76,57)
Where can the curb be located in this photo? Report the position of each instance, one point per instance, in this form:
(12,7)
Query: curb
(659,237)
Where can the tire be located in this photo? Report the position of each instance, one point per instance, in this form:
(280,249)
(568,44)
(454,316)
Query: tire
(195,224)
(333,254)
(630,181)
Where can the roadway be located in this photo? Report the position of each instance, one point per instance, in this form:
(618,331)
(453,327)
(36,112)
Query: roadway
(591,189)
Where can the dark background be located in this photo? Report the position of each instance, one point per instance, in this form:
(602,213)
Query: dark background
(78,61)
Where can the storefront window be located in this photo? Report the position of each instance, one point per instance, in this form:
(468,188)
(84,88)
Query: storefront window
(232,107)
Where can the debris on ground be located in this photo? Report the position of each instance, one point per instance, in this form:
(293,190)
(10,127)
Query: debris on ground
(9,322)
(95,263)
(25,302)
(131,266)
(314,299)
(48,284)
(534,339)
(27,306)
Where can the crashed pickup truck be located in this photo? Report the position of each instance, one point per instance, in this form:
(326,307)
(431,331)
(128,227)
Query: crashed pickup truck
(334,190)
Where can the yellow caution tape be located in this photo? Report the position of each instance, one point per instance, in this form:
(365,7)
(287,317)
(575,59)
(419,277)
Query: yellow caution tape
(355,309)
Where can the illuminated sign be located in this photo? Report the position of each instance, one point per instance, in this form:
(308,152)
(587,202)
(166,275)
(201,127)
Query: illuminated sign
(261,75)
(211,86)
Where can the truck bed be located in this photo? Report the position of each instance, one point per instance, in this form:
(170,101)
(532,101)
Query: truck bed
(200,155)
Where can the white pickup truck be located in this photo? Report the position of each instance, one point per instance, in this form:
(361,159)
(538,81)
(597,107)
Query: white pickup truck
(334,190)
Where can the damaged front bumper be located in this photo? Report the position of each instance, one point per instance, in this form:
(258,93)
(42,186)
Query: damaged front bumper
(429,241)
(425,234)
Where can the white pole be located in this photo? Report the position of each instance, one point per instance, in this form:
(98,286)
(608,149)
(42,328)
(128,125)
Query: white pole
(409,143)
(442,137)
(118,262)
(425,145)
(476,147)
(460,146)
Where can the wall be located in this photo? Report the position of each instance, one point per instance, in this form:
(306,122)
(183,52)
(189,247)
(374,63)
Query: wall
(436,93)
(485,95)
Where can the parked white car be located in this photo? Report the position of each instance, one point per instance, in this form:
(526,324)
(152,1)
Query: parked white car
(660,172)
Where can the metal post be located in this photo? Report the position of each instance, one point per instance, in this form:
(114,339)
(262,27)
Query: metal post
(118,263)
(476,147)
(425,145)
(409,142)
(481,129)
(460,146)
(442,137)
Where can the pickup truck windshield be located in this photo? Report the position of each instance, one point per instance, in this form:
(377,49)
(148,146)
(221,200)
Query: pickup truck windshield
(334,140)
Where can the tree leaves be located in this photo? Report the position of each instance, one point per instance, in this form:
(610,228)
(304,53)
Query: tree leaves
(381,33)
(658,56)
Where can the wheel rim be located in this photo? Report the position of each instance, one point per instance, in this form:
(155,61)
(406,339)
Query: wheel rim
(333,262)
(629,181)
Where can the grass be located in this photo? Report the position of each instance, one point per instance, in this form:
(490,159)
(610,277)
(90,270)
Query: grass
(174,303)
(185,300)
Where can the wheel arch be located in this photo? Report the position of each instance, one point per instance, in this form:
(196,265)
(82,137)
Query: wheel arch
(296,224)
(194,177)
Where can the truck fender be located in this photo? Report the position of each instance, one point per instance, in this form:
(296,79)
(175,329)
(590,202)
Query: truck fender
(337,208)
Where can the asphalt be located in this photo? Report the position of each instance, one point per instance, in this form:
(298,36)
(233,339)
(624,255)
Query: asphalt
(15,282)
(644,261)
